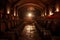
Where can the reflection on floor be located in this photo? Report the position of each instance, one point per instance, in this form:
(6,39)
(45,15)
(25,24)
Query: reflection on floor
(29,33)
(25,31)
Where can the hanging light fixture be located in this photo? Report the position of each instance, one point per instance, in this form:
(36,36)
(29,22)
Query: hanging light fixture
(14,12)
(57,8)
(8,10)
(50,12)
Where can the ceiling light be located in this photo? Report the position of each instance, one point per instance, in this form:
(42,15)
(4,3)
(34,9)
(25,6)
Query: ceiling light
(29,14)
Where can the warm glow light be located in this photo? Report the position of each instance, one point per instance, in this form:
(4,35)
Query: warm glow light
(29,17)
(29,14)
(57,9)
(50,13)
(8,11)
(14,14)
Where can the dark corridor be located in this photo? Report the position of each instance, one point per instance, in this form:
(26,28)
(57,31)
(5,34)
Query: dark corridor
(29,19)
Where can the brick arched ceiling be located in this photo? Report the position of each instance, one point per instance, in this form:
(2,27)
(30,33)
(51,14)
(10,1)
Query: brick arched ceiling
(30,4)
(22,2)
(42,3)
(16,2)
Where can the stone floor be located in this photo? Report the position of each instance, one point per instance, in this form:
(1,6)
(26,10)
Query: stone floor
(29,34)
